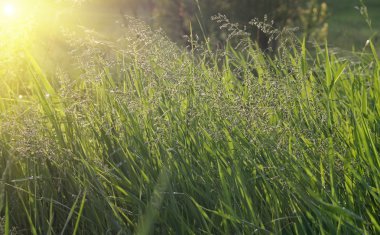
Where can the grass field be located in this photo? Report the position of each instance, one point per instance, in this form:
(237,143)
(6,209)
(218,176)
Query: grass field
(139,135)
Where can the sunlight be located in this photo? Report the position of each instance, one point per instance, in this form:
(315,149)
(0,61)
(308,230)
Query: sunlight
(8,10)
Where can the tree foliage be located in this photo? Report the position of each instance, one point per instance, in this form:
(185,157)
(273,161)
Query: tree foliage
(182,17)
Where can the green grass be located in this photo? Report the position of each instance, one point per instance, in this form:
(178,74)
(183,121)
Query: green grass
(141,136)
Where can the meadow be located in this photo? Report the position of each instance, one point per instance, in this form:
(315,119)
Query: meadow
(142,136)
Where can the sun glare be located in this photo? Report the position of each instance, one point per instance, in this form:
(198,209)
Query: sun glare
(8,10)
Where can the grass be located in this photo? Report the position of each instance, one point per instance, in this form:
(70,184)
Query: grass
(141,136)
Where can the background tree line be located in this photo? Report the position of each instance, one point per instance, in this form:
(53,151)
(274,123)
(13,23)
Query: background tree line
(182,17)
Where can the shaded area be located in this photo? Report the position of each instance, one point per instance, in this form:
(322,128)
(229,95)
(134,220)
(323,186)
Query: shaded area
(348,28)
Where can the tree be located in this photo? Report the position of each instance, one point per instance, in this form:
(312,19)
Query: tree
(176,16)
(179,17)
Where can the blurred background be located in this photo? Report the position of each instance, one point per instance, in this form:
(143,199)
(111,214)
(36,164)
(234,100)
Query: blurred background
(47,26)
(344,23)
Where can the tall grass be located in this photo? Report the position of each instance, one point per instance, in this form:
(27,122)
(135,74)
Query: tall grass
(142,136)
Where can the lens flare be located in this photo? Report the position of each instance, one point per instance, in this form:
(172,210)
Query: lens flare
(8,10)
